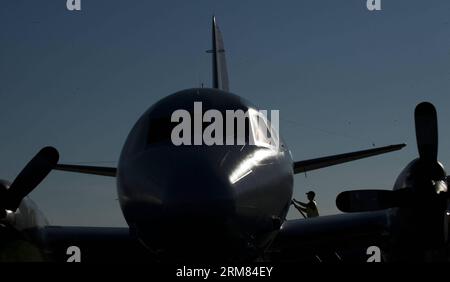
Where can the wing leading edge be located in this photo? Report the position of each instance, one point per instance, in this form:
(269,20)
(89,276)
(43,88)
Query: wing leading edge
(312,164)
(97,170)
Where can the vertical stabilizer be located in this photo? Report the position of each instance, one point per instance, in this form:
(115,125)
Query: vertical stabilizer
(219,65)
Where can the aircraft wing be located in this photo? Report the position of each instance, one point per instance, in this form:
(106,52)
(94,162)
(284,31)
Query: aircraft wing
(96,244)
(342,237)
(299,167)
(312,164)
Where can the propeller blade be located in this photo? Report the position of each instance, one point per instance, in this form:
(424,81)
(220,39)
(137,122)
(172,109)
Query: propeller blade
(372,200)
(426,131)
(3,195)
(30,177)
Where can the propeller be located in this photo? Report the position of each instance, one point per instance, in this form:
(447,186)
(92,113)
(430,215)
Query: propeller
(427,144)
(28,179)
(420,194)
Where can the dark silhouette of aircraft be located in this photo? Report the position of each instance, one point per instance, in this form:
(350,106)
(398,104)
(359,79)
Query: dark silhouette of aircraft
(182,203)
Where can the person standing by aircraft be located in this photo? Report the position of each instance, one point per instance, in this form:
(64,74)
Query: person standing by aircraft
(309,208)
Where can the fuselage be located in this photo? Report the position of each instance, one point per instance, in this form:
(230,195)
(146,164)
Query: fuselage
(205,201)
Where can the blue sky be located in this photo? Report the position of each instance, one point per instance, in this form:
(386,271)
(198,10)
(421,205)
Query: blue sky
(341,76)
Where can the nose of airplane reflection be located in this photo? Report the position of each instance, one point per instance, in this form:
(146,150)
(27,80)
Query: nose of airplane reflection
(188,181)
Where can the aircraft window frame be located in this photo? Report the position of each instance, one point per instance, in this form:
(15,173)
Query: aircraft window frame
(259,123)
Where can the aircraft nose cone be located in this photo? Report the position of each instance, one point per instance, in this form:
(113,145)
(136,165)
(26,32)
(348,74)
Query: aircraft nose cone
(179,197)
(197,185)
(180,182)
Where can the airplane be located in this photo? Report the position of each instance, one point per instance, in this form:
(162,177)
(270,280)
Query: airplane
(181,203)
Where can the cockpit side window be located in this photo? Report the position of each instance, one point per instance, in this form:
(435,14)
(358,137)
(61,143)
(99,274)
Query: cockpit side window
(160,130)
(263,133)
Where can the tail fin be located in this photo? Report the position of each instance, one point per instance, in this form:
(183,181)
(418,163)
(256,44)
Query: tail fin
(219,64)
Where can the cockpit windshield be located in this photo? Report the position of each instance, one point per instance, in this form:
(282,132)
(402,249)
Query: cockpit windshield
(223,128)
(160,130)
